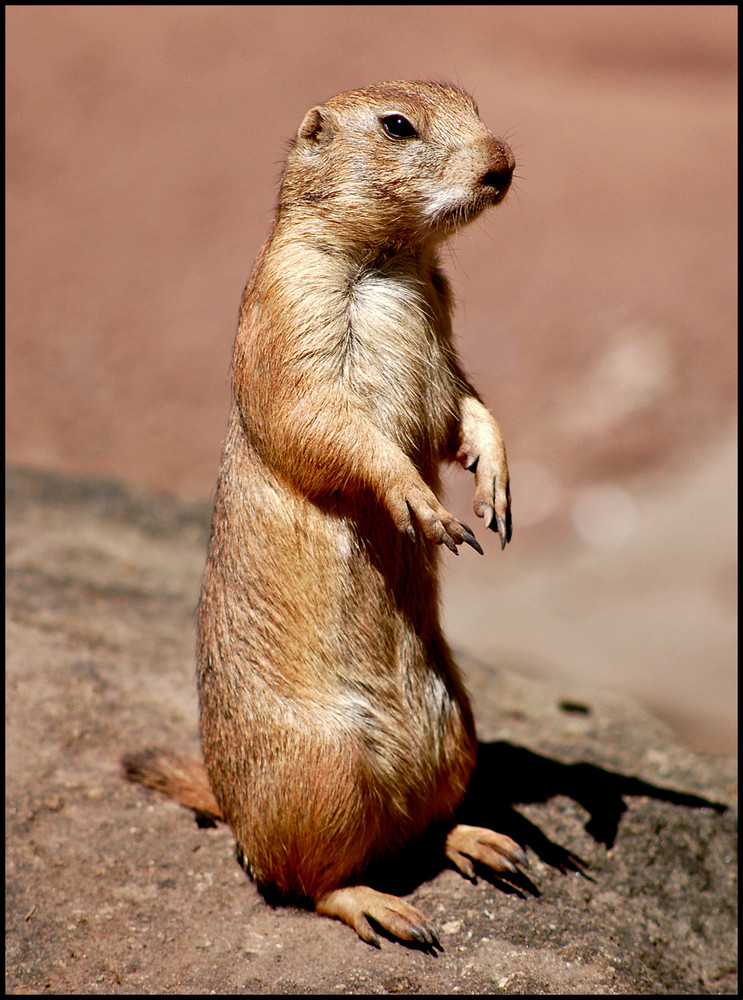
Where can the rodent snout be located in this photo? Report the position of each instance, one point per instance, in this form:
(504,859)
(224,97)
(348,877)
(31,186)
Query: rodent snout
(501,169)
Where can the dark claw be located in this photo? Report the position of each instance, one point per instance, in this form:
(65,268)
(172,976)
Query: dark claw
(432,936)
(501,531)
(448,541)
(504,530)
(470,539)
(521,858)
(424,935)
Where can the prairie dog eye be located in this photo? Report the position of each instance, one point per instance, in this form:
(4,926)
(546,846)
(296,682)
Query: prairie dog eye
(398,127)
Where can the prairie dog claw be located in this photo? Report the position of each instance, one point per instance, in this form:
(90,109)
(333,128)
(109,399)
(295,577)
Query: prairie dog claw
(466,844)
(503,527)
(433,520)
(356,904)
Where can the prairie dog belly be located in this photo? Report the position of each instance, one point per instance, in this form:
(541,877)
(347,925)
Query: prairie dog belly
(353,659)
(327,598)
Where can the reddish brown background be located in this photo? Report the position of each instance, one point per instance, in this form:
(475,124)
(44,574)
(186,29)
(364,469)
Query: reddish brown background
(597,307)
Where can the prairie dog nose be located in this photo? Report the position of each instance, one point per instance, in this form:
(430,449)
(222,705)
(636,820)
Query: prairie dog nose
(502,164)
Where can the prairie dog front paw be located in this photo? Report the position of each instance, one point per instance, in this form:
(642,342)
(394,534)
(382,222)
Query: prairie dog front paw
(482,451)
(417,505)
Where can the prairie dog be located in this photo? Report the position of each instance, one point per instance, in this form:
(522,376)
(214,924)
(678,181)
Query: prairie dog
(335,725)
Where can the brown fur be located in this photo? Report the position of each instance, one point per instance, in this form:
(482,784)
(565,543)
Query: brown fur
(182,779)
(335,726)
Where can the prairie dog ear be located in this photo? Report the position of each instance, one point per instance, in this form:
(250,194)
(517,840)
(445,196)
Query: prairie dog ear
(316,127)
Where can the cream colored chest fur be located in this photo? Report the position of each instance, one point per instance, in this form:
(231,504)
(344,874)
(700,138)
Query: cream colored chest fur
(395,360)
(377,332)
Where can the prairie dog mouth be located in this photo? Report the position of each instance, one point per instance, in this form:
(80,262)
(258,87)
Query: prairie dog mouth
(461,204)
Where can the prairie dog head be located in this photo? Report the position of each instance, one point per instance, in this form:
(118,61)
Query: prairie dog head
(396,162)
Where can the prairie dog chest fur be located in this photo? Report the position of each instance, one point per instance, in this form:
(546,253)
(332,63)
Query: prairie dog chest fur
(386,341)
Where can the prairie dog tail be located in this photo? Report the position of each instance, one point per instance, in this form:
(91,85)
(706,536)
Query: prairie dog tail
(184,780)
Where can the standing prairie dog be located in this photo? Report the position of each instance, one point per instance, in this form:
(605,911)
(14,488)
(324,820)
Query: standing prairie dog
(335,726)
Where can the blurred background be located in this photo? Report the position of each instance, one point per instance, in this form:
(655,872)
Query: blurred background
(597,308)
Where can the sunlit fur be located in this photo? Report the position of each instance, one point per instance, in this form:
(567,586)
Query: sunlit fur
(335,726)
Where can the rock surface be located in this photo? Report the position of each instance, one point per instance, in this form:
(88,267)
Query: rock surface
(109,889)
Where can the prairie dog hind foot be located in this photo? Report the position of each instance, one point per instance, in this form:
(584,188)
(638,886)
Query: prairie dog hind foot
(358,904)
(466,844)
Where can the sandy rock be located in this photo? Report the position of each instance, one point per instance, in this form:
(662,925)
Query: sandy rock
(109,889)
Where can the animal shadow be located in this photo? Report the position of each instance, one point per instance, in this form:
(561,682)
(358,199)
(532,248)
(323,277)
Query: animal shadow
(523,776)
(507,775)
